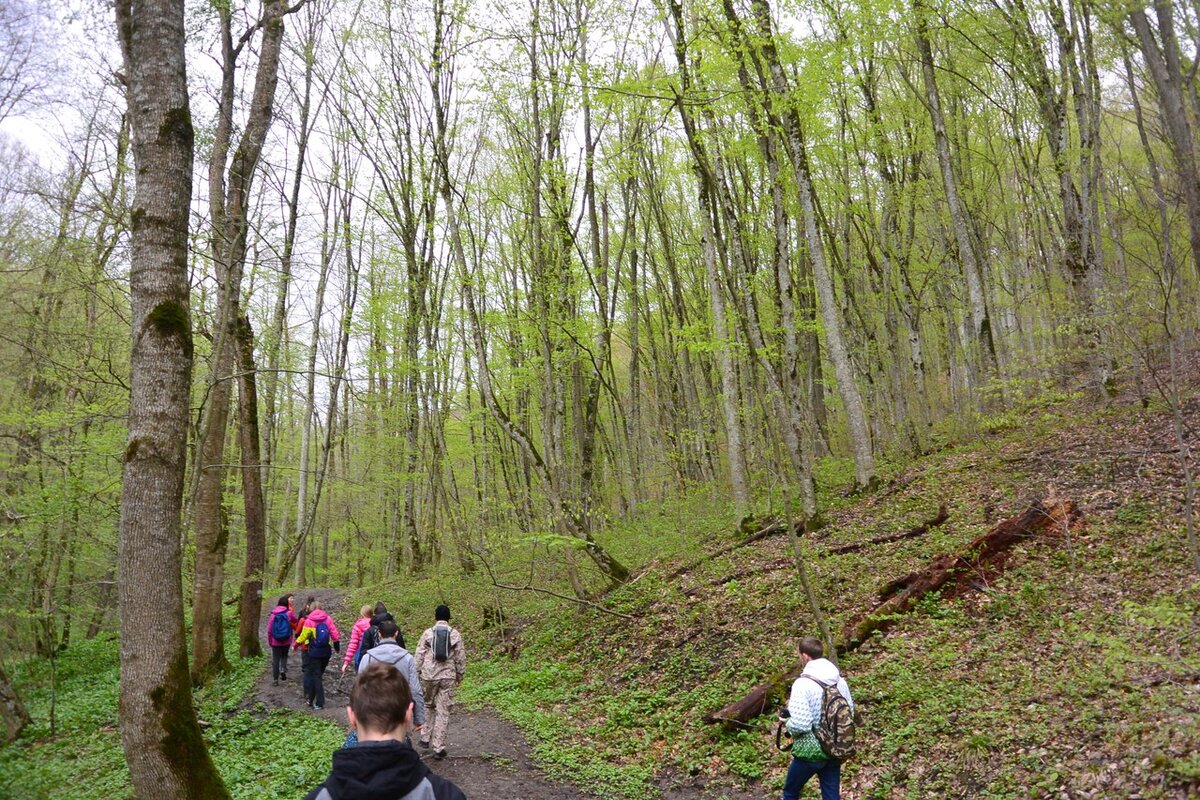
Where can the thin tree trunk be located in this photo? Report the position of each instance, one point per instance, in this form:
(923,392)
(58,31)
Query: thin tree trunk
(609,566)
(250,605)
(793,140)
(1163,62)
(982,344)
(229,202)
(721,332)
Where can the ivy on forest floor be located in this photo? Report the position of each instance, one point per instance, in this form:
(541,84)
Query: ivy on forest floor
(259,754)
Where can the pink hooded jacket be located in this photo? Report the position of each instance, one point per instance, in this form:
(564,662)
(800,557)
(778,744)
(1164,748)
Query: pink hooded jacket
(291,618)
(356,633)
(309,632)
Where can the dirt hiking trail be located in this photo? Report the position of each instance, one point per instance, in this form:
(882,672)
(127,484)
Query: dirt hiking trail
(487,757)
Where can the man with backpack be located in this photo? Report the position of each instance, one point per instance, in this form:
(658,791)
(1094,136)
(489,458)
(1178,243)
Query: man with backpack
(820,719)
(442,661)
(320,635)
(390,653)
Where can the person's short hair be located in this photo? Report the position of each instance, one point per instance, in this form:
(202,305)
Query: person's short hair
(812,646)
(365,611)
(380,608)
(388,629)
(442,613)
(380,698)
(283,600)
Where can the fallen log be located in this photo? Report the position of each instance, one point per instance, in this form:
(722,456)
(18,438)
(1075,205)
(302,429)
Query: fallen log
(924,527)
(760,700)
(952,573)
(911,533)
(770,529)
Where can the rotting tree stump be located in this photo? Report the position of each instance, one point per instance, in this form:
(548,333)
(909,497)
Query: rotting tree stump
(985,556)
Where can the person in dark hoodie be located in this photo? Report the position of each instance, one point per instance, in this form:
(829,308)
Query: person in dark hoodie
(382,766)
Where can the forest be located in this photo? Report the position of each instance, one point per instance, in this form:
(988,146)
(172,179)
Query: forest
(578,314)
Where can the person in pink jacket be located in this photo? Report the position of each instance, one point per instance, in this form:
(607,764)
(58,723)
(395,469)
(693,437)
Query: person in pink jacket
(356,635)
(320,635)
(282,613)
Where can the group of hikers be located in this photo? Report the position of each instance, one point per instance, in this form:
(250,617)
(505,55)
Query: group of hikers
(395,693)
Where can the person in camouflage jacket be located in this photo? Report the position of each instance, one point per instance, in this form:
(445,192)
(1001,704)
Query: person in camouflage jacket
(439,678)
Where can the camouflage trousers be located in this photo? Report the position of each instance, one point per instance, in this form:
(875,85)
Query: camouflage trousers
(439,699)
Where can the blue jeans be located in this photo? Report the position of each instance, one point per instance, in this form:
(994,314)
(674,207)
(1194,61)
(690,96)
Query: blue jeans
(829,773)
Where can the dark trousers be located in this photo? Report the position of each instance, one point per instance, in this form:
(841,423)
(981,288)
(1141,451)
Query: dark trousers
(829,773)
(314,679)
(279,656)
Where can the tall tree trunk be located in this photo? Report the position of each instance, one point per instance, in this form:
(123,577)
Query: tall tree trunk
(839,356)
(250,605)
(608,566)
(296,554)
(229,205)
(159,732)
(275,338)
(982,344)
(1163,60)
(721,332)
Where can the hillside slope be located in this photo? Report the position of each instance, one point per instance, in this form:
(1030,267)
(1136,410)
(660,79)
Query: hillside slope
(1073,673)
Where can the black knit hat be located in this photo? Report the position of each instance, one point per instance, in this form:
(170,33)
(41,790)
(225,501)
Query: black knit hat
(442,613)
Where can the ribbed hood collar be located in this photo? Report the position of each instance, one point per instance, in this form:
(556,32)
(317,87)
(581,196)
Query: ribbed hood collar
(375,769)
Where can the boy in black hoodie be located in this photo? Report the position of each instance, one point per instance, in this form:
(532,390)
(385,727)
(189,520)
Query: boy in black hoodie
(382,766)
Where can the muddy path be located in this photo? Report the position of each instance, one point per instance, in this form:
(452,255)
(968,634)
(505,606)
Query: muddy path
(486,756)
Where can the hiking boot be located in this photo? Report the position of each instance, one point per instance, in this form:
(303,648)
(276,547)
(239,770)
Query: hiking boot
(283,676)
(440,753)
(424,743)
(275,682)
(317,708)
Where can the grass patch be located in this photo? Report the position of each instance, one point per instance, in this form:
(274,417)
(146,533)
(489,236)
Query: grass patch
(259,753)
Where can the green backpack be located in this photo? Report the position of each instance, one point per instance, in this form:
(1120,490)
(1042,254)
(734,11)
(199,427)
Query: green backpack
(835,731)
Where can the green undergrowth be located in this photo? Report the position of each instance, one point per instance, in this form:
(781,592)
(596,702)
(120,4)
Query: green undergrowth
(1071,673)
(260,753)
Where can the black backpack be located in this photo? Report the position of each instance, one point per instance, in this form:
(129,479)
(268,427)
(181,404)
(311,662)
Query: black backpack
(370,638)
(441,643)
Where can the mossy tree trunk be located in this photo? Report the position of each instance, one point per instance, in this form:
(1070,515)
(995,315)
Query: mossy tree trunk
(12,709)
(250,605)
(159,731)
